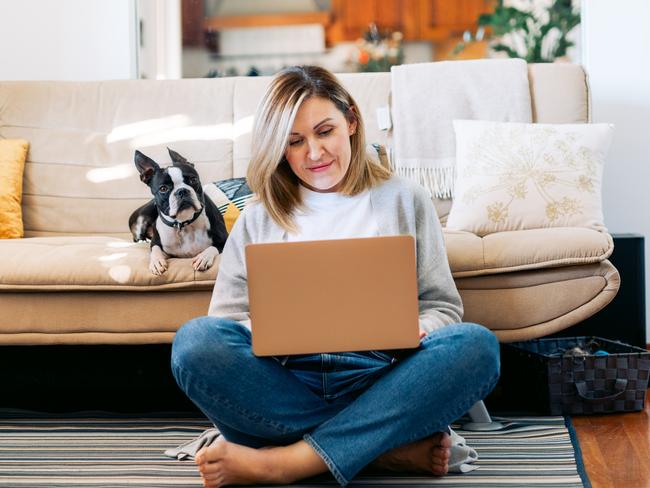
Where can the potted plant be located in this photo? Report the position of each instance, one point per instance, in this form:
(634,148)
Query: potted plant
(536,34)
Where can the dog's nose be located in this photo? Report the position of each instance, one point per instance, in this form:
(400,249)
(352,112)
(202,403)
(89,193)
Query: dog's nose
(181,193)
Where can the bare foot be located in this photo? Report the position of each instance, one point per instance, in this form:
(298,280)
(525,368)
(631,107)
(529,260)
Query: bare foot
(430,455)
(226,463)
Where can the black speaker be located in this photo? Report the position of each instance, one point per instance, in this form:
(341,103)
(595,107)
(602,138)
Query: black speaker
(623,319)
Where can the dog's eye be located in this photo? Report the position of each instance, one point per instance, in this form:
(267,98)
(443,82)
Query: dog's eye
(163,189)
(194,180)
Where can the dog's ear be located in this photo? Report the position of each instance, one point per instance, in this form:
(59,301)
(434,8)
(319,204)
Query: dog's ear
(177,158)
(146,166)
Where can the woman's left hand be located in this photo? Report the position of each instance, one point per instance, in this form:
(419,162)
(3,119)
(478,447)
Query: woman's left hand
(422,334)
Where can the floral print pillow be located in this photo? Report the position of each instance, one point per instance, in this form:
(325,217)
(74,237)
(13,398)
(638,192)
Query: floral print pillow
(514,176)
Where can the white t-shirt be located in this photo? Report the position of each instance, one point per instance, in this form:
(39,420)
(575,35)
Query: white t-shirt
(334,216)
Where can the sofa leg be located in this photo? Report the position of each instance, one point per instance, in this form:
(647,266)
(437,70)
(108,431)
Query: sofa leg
(480,419)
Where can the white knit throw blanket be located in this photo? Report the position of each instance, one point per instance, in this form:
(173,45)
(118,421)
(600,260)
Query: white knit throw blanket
(427,97)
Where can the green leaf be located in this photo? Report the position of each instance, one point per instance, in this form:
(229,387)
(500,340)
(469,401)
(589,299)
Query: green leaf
(506,49)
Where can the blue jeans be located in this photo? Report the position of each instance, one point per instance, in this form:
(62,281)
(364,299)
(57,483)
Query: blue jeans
(349,407)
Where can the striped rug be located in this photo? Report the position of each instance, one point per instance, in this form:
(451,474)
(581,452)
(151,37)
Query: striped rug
(106,450)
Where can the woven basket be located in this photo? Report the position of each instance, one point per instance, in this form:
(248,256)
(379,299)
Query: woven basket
(588,384)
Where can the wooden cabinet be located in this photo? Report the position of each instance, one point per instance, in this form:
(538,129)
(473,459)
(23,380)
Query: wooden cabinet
(429,20)
(351,19)
(441,19)
(438,21)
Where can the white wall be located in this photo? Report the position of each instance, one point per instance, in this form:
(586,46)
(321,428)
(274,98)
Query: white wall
(67,39)
(616,55)
(161,42)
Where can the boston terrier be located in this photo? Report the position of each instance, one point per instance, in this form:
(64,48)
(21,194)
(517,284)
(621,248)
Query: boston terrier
(181,221)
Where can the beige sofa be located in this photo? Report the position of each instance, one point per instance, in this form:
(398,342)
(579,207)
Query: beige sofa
(77,278)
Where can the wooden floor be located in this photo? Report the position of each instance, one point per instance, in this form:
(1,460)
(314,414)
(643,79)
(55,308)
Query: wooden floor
(616,448)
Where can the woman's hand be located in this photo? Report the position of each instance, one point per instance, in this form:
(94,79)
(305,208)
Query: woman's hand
(422,334)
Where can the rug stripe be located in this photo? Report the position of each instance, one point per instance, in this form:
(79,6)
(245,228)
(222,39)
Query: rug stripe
(100,450)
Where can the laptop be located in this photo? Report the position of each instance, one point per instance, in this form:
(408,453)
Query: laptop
(333,295)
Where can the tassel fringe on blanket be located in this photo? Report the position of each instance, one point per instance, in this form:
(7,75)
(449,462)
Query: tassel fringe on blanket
(439,181)
(427,97)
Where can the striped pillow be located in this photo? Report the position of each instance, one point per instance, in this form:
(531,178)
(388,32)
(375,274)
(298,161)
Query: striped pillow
(230,196)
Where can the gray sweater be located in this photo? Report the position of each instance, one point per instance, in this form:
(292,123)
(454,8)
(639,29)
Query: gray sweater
(401,207)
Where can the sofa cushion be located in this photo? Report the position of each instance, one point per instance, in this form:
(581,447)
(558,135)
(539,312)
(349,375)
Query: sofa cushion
(97,317)
(91,290)
(537,302)
(83,134)
(559,93)
(12,164)
(108,263)
(92,262)
(471,255)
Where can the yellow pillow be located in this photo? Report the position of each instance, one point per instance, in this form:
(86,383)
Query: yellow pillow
(12,164)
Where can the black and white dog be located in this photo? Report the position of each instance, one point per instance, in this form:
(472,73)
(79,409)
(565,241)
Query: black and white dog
(181,221)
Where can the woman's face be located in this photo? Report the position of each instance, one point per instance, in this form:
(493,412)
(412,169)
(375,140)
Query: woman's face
(319,149)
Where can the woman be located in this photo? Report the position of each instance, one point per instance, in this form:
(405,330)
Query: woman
(288,418)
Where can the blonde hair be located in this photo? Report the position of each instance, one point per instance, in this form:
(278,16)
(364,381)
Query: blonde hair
(269,175)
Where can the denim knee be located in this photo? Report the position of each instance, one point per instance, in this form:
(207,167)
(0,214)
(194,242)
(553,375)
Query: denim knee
(481,348)
(203,339)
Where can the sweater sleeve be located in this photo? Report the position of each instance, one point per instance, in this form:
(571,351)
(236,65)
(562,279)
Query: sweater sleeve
(439,300)
(230,293)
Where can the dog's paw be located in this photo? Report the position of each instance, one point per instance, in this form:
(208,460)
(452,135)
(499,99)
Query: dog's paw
(205,259)
(157,261)
(158,266)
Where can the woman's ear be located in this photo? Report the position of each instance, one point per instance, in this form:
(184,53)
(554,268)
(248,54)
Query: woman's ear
(353,118)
